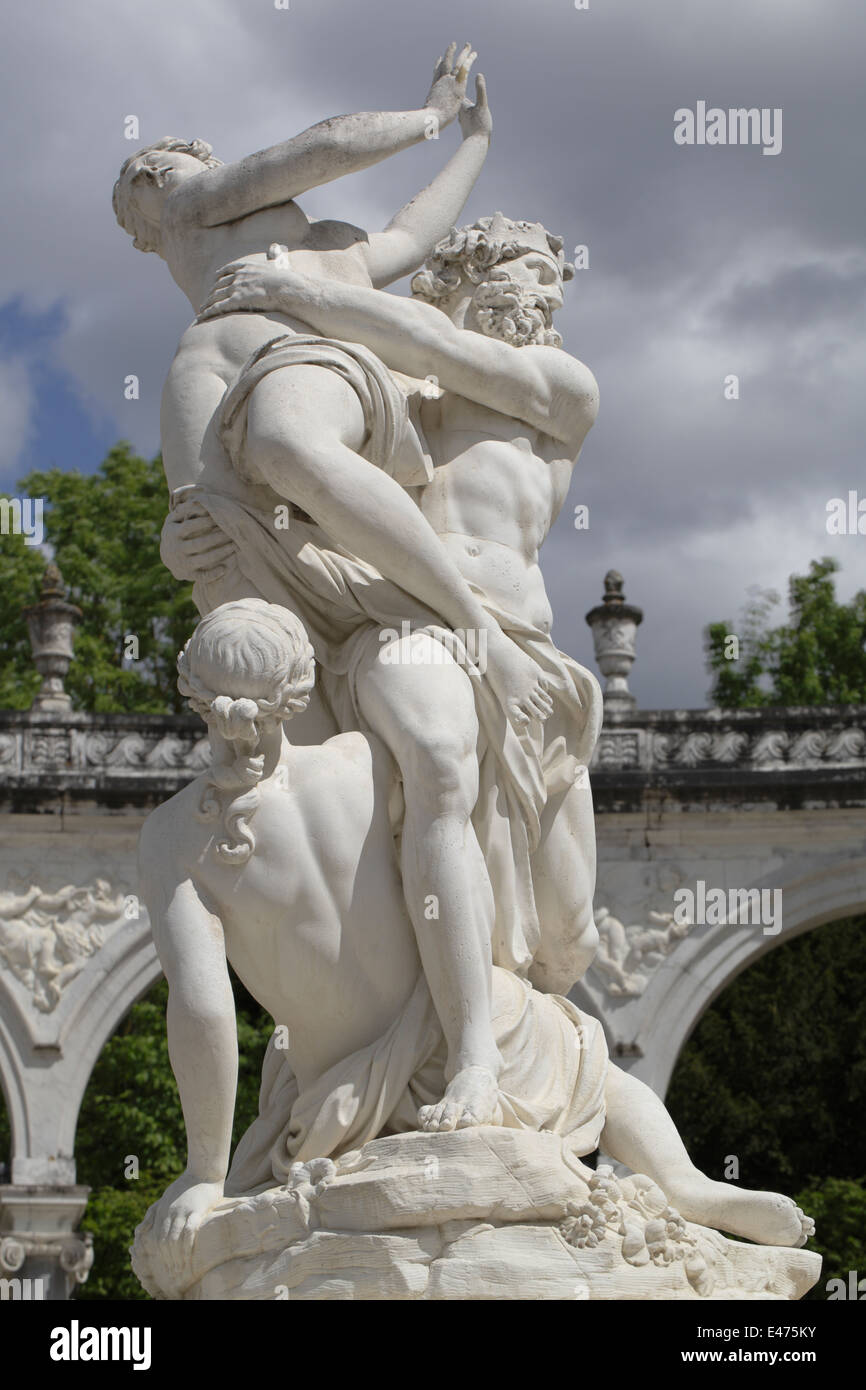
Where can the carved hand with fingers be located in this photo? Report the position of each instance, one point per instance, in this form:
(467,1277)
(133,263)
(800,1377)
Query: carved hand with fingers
(192,546)
(475,118)
(450,76)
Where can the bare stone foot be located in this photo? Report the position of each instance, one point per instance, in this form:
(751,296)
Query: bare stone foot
(471,1098)
(766,1217)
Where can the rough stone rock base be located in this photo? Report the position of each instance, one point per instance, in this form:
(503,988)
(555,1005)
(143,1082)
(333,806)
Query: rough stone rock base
(478,1214)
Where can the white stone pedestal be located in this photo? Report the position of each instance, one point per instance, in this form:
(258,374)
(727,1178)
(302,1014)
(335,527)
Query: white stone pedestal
(484,1213)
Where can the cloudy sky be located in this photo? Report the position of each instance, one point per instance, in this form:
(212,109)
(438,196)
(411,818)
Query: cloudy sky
(703,261)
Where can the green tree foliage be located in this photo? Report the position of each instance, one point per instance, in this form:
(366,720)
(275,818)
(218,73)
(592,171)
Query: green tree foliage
(838,1208)
(130,1110)
(104,531)
(21,569)
(817,658)
(775,1075)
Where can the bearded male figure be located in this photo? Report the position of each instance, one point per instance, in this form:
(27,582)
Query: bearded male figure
(410,898)
(258,412)
(504,428)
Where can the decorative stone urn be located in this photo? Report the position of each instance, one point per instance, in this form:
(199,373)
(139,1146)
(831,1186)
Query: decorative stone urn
(51,623)
(614,625)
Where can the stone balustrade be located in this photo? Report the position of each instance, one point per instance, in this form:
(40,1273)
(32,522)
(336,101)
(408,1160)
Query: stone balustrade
(143,758)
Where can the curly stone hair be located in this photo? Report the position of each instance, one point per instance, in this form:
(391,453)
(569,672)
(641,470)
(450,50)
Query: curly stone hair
(260,652)
(474,250)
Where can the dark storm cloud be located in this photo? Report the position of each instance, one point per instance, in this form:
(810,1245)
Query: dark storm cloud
(703,261)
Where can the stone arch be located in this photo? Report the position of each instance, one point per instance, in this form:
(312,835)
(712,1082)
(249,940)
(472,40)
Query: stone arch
(12,1092)
(684,986)
(5,1128)
(46,1060)
(103,1016)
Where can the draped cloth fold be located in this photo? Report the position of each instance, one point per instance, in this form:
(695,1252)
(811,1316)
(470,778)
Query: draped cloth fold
(391,442)
(555,1062)
(344,603)
(555,1057)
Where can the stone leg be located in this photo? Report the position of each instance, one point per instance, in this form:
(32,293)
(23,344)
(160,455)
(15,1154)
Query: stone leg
(304,428)
(640,1133)
(563,878)
(421,705)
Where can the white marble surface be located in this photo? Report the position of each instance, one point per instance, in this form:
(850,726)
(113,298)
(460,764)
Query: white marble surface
(361,483)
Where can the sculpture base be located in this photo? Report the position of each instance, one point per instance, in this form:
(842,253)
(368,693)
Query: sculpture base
(478,1214)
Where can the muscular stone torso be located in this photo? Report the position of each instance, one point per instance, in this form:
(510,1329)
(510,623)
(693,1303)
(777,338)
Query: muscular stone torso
(496,490)
(495,493)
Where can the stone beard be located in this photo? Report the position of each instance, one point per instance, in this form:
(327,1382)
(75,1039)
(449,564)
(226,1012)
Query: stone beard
(506,309)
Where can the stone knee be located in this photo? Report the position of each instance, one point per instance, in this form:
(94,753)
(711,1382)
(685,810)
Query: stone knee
(586,936)
(421,705)
(441,777)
